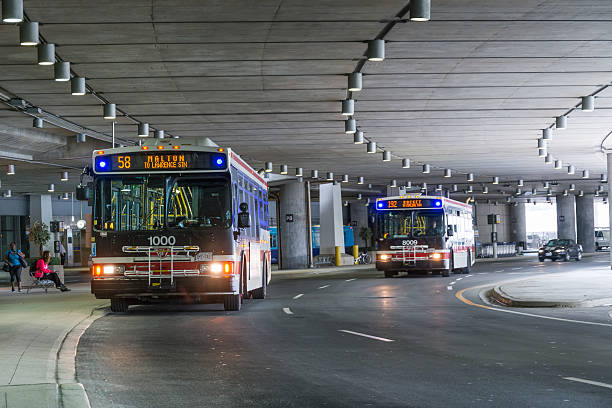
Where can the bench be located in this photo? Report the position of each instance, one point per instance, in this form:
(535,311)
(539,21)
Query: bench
(29,282)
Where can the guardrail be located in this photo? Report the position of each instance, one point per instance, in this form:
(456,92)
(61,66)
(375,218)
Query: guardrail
(504,249)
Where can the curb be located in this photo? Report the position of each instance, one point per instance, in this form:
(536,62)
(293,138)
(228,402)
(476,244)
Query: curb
(501,297)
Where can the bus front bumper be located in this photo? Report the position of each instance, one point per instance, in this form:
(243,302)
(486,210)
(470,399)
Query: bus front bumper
(186,287)
(417,265)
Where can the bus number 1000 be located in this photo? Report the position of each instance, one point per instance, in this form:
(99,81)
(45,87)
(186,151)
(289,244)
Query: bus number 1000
(163,240)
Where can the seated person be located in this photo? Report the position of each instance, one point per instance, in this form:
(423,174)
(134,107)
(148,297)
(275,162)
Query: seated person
(43,272)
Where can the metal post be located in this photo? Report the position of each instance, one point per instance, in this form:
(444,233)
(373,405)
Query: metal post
(309,225)
(113,134)
(494,230)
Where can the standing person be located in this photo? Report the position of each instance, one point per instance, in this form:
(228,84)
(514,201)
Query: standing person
(43,271)
(13,258)
(62,253)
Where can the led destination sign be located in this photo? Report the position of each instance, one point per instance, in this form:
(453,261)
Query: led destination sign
(159,161)
(409,203)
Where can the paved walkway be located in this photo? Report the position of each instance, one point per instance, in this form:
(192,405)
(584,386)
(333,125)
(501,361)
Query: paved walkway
(589,287)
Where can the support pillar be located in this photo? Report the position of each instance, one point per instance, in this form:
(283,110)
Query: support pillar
(585,222)
(609,157)
(359,220)
(40,210)
(332,231)
(293,226)
(518,224)
(566,217)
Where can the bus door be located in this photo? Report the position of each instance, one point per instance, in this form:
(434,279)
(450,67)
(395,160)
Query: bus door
(254,279)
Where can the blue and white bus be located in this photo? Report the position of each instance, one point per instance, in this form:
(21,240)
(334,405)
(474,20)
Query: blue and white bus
(178,220)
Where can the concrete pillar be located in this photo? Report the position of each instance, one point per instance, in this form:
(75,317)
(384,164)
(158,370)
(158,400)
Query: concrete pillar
(359,220)
(518,223)
(40,210)
(609,157)
(292,226)
(585,222)
(332,231)
(566,217)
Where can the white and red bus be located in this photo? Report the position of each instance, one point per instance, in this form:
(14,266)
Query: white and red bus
(178,220)
(424,233)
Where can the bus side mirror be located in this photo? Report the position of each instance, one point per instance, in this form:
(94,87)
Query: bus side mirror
(243,216)
(449,231)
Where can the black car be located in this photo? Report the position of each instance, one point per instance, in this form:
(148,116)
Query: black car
(562,249)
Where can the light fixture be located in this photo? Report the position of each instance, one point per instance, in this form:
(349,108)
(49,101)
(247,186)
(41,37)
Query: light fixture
(284,170)
(558,164)
(81,137)
(541,143)
(470,189)
(571,169)
(348,107)
(470,177)
(77,86)
(28,33)
(65,196)
(518,192)
(546,184)
(547,134)
(360,180)
(541,152)
(548,159)
(424,186)
(561,122)
(46,54)
(585,174)
(268,167)
(408,184)
(376,50)
(62,71)
(520,183)
(447,173)
(314,174)
(12,11)
(51,188)
(346,203)
(358,137)
(367,202)
(159,134)
(299,172)
(354,81)
(386,156)
(426,169)
(588,103)
(581,193)
(565,193)
(485,190)
(405,163)
(37,123)
(64,176)
(420,10)
(330,176)
(11,170)
(495,180)
(110,111)
(371,147)
(8,194)
(350,126)
(143,130)
(300,179)
(345,178)
(603,178)
(439,187)
(572,187)
(455,188)
(393,183)
(508,200)
(534,191)
(596,193)
(359,196)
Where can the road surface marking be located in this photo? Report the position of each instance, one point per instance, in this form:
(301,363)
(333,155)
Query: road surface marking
(287,310)
(516,269)
(350,280)
(366,335)
(501,270)
(324,286)
(482,273)
(597,383)
(468,276)
(298,296)
(458,279)
(449,287)
(459,295)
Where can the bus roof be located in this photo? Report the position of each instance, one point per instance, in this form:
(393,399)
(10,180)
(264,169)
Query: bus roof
(446,202)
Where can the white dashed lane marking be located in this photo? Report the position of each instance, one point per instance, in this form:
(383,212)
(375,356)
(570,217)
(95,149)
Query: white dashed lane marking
(350,280)
(324,286)
(298,296)
(366,335)
(516,269)
(287,310)
(449,288)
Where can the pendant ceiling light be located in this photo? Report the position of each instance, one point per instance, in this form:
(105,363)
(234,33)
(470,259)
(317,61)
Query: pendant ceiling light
(386,156)
(268,167)
(547,134)
(426,169)
(588,103)
(62,71)
(541,152)
(64,176)
(558,164)
(350,126)
(12,11)
(10,170)
(561,122)
(571,169)
(371,147)
(299,172)
(345,178)
(314,174)
(143,130)
(37,123)
(81,138)
(420,10)
(495,180)
(348,107)
(330,176)
(28,33)
(354,81)
(284,169)
(376,50)
(46,54)
(77,86)
(405,163)
(585,174)
(360,180)
(447,173)
(470,177)
(110,111)
(160,134)
(358,137)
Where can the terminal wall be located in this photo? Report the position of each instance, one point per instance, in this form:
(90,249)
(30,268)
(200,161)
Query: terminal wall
(484,229)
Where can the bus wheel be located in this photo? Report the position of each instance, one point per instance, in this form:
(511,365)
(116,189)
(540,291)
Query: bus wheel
(389,274)
(119,305)
(231,302)
(260,293)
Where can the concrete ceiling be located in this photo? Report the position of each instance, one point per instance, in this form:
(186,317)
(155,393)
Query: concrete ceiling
(470,90)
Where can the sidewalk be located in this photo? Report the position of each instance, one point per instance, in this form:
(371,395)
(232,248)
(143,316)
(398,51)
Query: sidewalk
(589,287)
(38,346)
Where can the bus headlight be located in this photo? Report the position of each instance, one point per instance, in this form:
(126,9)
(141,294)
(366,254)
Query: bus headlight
(112,270)
(216,267)
(436,256)
(383,257)
(226,268)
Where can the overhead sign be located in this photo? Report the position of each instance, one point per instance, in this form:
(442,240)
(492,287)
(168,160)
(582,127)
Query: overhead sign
(159,162)
(409,203)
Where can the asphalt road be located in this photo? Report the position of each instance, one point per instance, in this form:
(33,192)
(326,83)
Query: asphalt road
(429,349)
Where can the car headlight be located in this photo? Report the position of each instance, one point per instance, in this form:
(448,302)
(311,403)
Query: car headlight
(559,250)
(541,250)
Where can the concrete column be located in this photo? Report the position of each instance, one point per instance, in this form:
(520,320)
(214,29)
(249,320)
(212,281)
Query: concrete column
(585,222)
(518,223)
(40,210)
(332,231)
(292,226)
(609,156)
(566,217)
(359,219)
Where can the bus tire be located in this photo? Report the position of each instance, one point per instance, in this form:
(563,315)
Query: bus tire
(231,303)
(446,272)
(389,274)
(260,293)
(119,305)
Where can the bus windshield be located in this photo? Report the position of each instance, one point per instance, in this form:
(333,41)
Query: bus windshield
(405,224)
(154,202)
